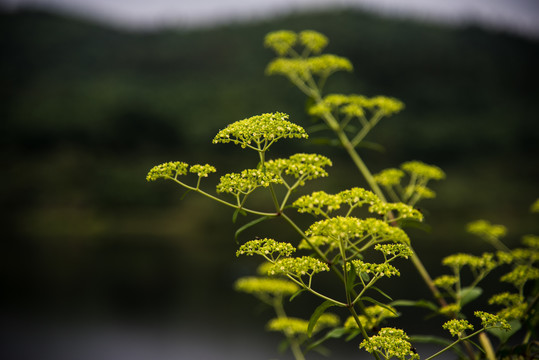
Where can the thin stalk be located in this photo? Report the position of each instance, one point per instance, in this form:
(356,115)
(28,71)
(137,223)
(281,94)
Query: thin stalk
(456,342)
(314,292)
(235,206)
(294,345)
(361,328)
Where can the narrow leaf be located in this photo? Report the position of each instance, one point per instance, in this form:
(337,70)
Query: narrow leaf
(296,294)
(351,278)
(418,303)
(185,194)
(235,215)
(248,225)
(376,302)
(353,334)
(334,333)
(469,294)
(316,315)
(383,293)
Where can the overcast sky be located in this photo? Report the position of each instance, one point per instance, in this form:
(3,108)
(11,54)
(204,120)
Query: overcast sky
(514,15)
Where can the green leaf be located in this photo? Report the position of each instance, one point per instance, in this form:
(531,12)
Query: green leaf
(504,335)
(296,294)
(185,194)
(353,334)
(316,315)
(418,303)
(366,278)
(407,223)
(376,302)
(334,333)
(235,215)
(469,294)
(248,225)
(351,278)
(371,146)
(383,293)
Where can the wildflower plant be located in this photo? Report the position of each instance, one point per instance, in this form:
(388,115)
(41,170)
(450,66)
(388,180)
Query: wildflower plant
(355,251)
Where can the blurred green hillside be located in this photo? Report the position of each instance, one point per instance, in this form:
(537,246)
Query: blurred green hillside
(87,110)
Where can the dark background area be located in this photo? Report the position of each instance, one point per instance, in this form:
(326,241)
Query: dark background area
(87,110)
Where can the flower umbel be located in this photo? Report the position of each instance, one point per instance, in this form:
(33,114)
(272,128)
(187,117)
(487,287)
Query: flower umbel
(270,249)
(260,132)
(456,327)
(261,286)
(246,181)
(297,267)
(390,342)
(168,170)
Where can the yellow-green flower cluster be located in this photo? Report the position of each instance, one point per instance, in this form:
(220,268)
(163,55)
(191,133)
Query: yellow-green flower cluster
(525,255)
(288,325)
(261,286)
(515,306)
(395,250)
(283,41)
(313,41)
(531,241)
(301,166)
(246,181)
(520,275)
(355,105)
(317,241)
(445,281)
(305,265)
(456,326)
(202,170)
(303,68)
(425,171)
(318,202)
(535,206)
(404,211)
(347,228)
(322,202)
(168,170)
(295,326)
(262,130)
(492,321)
(390,343)
(486,230)
(268,248)
(485,262)
(374,315)
(425,192)
(504,257)
(357,196)
(378,270)
(450,309)
(389,177)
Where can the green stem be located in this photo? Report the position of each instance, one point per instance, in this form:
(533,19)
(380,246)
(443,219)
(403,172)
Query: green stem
(365,130)
(455,343)
(294,345)
(361,328)
(235,206)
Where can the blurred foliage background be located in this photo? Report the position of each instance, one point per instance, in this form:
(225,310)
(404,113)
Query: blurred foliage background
(87,110)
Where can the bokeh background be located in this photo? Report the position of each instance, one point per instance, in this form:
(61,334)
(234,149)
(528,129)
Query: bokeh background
(98,263)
